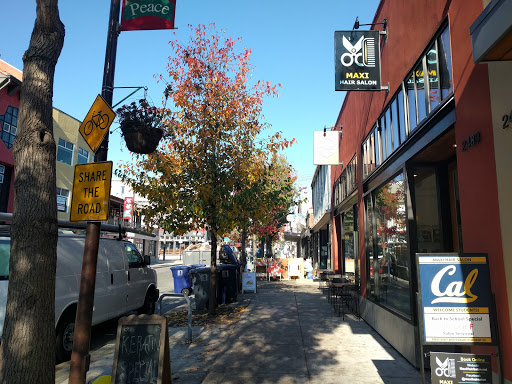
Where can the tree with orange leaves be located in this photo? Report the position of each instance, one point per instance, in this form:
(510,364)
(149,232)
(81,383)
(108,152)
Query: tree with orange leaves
(212,151)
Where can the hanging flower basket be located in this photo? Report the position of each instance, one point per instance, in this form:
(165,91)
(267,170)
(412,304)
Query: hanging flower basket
(140,138)
(140,125)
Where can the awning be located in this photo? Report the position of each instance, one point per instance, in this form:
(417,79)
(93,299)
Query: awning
(291,236)
(491,33)
(324,220)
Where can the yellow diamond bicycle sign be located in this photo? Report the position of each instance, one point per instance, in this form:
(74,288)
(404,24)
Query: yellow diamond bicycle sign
(91,192)
(95,125)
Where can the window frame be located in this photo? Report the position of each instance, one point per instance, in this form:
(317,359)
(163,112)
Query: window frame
(59,194)
(369,199)
(81,155)
(64,148)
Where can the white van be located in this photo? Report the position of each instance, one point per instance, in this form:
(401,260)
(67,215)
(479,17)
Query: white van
(124,283)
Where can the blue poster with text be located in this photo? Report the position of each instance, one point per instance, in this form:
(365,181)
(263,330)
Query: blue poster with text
(456,298)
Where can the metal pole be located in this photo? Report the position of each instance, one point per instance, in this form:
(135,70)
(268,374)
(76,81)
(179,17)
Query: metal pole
(80,357)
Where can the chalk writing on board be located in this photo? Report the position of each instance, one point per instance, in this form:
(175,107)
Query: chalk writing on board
(139,354)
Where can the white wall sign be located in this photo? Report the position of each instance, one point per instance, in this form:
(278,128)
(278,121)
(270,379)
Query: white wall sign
(249,282)
(326,147)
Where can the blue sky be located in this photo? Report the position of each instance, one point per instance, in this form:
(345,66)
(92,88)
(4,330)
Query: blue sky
(292,44)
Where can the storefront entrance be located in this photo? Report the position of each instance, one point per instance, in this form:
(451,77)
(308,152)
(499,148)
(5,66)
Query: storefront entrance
(435,196)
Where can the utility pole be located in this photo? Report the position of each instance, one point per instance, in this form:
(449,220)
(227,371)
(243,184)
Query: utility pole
(80,357)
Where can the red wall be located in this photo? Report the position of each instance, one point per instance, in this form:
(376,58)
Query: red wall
(411,26)
(6,156)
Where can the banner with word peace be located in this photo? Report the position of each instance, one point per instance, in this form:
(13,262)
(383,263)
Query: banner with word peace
(148,14)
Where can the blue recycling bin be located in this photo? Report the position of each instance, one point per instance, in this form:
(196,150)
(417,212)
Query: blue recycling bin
(181,279)
(192,266)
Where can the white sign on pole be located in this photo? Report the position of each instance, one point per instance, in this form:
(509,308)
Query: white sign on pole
(326,147)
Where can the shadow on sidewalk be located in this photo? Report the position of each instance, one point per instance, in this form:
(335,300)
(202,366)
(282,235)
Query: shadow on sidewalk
(289,334)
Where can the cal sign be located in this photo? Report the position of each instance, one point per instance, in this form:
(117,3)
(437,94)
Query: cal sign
(456,298)
(357,60)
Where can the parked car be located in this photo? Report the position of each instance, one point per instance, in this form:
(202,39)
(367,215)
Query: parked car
(124,283)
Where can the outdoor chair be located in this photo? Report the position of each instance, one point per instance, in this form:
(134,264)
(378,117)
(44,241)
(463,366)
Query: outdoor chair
(347,300)
(333,291)
(322,281)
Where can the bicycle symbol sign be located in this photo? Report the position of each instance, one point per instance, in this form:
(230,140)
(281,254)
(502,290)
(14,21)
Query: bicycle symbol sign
(95,125)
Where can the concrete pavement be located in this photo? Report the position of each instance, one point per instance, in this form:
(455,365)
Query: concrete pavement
(289,333)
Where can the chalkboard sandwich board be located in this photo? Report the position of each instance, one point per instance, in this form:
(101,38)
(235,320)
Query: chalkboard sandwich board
(142,351)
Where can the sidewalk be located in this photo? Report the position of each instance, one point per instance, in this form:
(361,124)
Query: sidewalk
(170,261)
(289,333)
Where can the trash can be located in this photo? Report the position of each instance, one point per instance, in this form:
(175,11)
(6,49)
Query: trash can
(227,283)
(192,266)
(181,279)
(201,281)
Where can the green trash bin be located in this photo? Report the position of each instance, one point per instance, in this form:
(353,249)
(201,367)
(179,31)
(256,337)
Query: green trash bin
(201,283)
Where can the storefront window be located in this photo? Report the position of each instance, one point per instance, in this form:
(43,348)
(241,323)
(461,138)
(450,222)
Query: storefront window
(389,268)
(382,136)
(370,284)
(396,136)
(323,249)
(433,77)
(427,211)
(375,140)
(389,137)
(348,241)
(420,90)
(401,117)
(411,98)
(445,63)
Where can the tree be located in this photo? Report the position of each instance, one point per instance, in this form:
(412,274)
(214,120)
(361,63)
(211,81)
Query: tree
(27,352)
(212,148)
(277,194)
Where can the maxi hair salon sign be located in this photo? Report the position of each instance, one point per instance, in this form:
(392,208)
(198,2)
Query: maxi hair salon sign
(148,14)
(456,298)
(357,60)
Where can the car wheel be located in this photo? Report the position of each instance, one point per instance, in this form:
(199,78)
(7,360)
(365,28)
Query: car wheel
(186,291)
(64,333)
(149,304)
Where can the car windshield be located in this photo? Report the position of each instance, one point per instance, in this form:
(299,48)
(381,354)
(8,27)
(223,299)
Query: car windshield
(5,252)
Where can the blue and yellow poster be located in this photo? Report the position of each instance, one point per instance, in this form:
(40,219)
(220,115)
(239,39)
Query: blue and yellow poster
(456,298)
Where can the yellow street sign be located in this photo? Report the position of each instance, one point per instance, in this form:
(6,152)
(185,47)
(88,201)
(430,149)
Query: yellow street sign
(91,192)
(96,123)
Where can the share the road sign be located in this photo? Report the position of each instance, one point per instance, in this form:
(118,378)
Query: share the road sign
(91,192)
(95,125)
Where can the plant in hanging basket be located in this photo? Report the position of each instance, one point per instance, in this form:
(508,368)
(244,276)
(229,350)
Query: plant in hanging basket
(140,125)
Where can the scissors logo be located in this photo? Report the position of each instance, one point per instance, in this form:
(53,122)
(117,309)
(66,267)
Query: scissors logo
(445,368)
(361,53)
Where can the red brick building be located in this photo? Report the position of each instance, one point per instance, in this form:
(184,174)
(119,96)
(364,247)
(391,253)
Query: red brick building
(427,166)
(10,86)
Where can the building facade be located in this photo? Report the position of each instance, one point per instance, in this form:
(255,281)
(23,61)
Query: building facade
(71,150)
(10,86)
(320,231)
(426,169)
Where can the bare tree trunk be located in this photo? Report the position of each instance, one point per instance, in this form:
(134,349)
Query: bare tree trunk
(212,299)
(27,353)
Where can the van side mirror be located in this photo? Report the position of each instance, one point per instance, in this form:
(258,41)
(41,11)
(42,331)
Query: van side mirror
(147,260)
